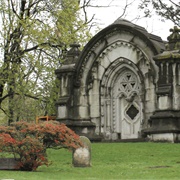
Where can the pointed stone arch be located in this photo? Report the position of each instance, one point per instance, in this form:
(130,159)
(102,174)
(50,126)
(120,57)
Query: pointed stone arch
(120,49)
(122,97)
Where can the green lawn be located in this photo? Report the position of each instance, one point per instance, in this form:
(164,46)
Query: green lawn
(110,161)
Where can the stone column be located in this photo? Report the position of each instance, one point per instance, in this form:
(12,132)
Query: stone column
(165,123)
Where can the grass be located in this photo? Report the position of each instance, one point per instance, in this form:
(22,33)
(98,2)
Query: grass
(110,161)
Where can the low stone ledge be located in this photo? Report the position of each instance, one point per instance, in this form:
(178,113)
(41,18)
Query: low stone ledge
(9,164)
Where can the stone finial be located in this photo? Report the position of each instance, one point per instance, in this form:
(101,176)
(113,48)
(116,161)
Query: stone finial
(74,49)
(82,155)
(73,54)
(174,39)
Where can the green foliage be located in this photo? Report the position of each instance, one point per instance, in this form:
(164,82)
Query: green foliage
(33,36)
(28,142)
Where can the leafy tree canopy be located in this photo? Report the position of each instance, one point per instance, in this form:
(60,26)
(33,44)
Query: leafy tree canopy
(34,34)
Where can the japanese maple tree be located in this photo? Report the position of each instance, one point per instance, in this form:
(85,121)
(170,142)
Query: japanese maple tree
(28,142)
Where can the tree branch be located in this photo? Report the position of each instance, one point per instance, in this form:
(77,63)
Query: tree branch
(174,3)
(34,97)
(22,8)
(42,44)
(125,8)
(4,111)
(14,11)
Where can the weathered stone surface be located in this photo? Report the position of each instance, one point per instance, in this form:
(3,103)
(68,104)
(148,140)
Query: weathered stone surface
(8,164)
(119,81)
(165,122)
(82,156)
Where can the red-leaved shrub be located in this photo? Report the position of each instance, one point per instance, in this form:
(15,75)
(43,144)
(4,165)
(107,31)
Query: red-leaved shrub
(28,142)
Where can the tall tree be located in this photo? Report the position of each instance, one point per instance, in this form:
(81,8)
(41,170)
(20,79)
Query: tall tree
(169,9)
(33,36)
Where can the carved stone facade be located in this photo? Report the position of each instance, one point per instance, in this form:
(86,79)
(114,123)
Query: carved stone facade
(109,89)
(165,122)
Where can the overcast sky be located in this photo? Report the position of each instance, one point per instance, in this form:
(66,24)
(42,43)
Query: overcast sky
(107,15)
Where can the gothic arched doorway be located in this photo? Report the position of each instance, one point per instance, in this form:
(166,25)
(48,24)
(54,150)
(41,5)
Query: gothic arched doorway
(121,102)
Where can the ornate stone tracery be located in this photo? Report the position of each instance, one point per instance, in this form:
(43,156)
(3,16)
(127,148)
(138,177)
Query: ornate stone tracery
(114,84)
(120,86)
(128,84)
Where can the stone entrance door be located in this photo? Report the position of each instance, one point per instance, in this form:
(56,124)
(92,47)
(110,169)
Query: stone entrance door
(126,105)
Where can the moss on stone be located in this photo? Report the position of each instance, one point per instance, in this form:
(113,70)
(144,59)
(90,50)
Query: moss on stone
(86,142)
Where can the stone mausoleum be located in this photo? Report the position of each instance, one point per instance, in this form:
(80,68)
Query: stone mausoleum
(123,85)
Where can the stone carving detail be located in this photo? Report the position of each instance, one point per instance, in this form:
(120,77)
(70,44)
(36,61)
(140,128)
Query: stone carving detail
(128,85)
(121,93)
(108,49)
